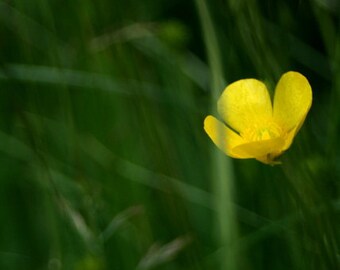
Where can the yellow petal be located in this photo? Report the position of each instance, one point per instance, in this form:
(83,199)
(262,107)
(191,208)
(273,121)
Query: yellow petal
(288,140)
(292,100)
(259,149)
(291,134)
(222,136)
(245,103)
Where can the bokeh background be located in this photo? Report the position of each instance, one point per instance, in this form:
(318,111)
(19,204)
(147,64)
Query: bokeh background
(104,163)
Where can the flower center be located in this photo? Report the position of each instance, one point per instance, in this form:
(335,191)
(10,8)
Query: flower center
(264,132)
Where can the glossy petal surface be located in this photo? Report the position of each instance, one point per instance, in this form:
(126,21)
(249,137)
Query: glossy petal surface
(223,137)
(245,103)
(292,100)
(260,148)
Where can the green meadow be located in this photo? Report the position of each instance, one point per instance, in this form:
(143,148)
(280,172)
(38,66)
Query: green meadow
(104,162)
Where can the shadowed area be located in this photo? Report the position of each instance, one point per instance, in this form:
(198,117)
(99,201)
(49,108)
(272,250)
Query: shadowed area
(104,161)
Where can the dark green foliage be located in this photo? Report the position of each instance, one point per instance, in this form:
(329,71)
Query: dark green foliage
(104,163)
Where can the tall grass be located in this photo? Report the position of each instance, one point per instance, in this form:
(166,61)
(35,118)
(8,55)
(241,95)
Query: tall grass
(222,170)
(104,161)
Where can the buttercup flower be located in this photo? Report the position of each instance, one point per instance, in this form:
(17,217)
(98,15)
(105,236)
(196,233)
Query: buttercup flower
(254,128)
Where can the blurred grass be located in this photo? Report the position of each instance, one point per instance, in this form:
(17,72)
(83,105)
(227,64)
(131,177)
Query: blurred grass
(222,174)
(104,161)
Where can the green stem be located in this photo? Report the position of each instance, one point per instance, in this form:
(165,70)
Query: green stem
(222,170)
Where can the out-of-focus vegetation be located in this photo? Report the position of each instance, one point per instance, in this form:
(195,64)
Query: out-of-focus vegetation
(104,161)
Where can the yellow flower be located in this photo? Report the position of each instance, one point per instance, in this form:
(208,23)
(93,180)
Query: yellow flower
(252,127)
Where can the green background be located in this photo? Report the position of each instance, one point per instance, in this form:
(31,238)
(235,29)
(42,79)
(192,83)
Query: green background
(104,163)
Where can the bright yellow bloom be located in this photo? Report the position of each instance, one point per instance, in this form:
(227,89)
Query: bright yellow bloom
(252,127)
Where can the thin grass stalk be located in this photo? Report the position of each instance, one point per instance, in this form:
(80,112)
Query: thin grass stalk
(222,170)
